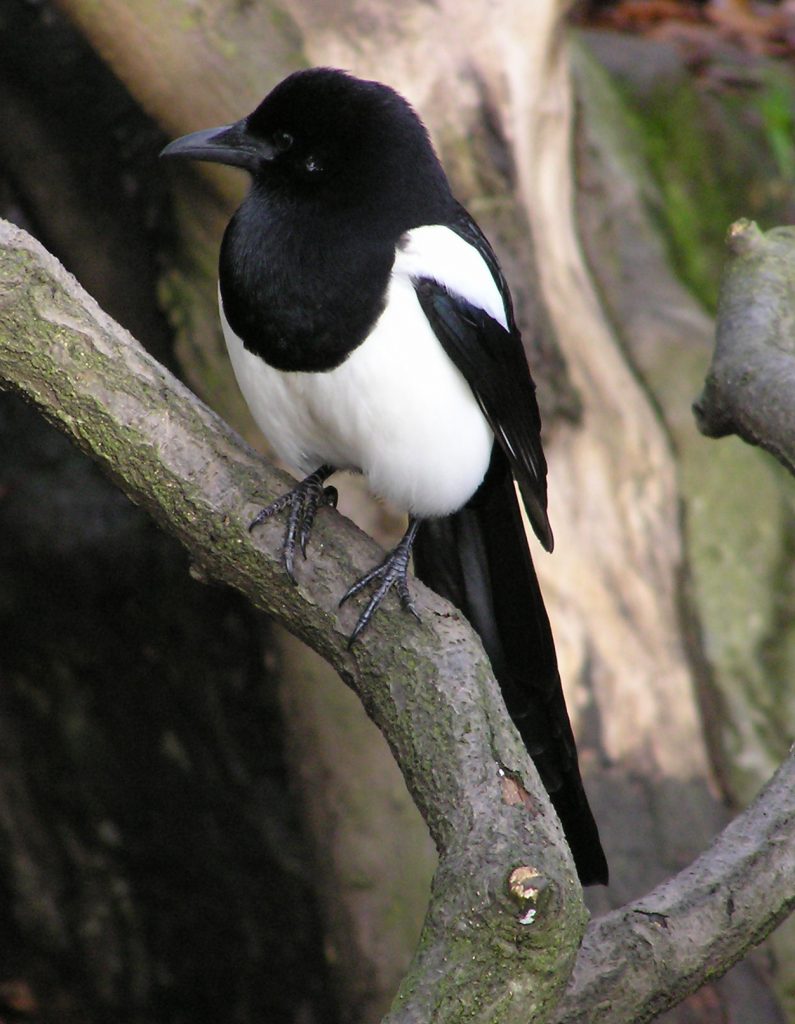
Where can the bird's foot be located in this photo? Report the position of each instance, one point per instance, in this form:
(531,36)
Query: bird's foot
(392,572)
(303,501)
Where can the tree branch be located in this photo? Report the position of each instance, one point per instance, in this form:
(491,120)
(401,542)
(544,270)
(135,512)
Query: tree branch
(750,384)
(429,688)
(647,956)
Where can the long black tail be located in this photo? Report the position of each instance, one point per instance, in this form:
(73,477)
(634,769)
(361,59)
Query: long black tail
(478,558)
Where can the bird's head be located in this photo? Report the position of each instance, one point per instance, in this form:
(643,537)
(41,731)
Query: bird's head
(323,134)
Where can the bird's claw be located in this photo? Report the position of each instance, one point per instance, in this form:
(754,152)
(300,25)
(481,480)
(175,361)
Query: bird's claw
(303,502)
(315,499)
(392,572)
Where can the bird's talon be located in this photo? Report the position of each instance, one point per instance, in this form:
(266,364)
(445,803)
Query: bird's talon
(260,517)
(364,619)
(392,572)
(305,526)
(302,501)
(360,584)
(270,510)
(406,600)
(410,608)
(288,560)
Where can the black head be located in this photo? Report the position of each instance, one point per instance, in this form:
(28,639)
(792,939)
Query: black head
(324,136)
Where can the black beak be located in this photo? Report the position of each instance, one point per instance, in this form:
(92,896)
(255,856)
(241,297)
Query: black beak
(230,144)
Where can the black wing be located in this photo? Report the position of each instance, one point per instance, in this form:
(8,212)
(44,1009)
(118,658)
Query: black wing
(493,362)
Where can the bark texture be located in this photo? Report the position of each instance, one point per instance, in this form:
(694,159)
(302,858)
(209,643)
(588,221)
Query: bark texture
(750,383)
(646,957)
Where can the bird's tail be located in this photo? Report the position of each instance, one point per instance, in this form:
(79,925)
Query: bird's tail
(478,558)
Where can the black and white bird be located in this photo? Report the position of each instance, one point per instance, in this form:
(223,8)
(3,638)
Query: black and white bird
(371,329)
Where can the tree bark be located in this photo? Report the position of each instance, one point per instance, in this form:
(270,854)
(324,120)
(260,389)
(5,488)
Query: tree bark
(751,381)
(649,955)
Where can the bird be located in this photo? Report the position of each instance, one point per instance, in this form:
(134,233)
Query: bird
(371,329)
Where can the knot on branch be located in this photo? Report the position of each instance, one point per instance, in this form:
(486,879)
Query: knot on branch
(531,891)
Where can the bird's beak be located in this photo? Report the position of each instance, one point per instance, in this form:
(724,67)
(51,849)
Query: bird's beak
(230,144)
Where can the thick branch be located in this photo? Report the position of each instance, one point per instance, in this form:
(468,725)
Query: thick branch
(751,381)
(429,688)
(649,955)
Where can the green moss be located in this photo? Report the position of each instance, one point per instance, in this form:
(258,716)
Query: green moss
(775,105)
(696,204)
(716,155)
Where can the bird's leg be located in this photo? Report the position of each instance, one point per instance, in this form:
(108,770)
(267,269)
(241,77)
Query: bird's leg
(391,572)
(303,502)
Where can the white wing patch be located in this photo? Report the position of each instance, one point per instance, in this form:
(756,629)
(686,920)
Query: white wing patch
(436,252)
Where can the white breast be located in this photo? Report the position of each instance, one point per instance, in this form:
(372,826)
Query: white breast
(397,409)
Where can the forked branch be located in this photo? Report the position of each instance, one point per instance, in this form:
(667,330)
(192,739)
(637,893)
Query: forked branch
(506,915)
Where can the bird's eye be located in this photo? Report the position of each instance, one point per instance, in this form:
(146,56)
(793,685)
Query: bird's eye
(313,165)
(282,141)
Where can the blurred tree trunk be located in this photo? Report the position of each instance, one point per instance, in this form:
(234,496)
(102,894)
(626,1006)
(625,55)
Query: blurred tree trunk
(637,601)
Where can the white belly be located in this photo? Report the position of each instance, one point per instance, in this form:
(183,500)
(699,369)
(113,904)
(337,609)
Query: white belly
(397,409)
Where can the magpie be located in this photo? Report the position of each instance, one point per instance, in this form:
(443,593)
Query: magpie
(371,329)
